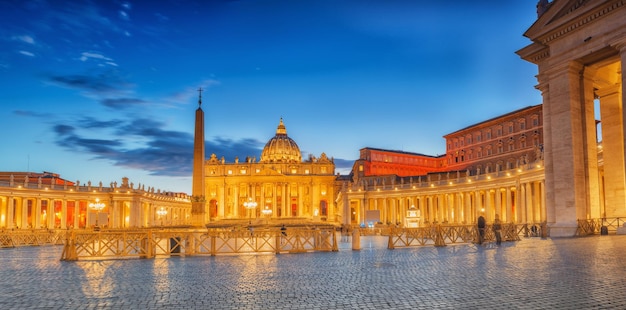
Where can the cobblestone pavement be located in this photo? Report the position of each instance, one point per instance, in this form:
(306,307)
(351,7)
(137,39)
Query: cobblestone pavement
(534,273)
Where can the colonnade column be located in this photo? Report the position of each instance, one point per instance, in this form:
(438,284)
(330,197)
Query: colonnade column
(467,199)
(429,206)
(508,212)
(528,203)
(10,212)
(613,149)
(565,151)
(590,131)
(64,214)
(36,215)
(498,204)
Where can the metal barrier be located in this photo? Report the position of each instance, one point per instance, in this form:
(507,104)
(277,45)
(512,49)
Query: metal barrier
(150,243)
(594,226)
(442,235)
(16,238)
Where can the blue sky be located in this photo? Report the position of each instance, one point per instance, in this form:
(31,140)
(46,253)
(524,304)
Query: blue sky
(100,90)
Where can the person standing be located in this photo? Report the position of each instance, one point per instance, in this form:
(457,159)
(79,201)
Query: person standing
(497,230)
(481,229)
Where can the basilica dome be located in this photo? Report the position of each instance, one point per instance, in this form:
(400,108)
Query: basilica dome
(281,148)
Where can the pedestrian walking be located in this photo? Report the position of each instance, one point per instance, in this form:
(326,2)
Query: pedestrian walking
(481,229)
(497,230)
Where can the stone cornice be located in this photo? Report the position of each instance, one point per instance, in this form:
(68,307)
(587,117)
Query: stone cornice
(581,20)
(556,25)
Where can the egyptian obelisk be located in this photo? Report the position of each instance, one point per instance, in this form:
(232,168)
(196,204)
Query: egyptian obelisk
(198,200)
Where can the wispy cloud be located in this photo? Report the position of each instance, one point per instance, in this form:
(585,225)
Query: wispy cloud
(27,53)
(31,114)
(25,39)
(122,103)
(188,94)
(85,56)
(103,84)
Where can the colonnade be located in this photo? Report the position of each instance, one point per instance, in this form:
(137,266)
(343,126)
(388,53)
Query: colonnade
(36,207)
(514,196)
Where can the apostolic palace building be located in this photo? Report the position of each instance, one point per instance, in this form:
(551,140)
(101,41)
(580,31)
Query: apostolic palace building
(553,164)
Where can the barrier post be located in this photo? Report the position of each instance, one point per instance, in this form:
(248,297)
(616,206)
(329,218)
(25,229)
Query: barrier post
(356,240)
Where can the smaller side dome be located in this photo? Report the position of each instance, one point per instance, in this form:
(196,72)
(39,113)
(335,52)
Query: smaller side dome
(281,148)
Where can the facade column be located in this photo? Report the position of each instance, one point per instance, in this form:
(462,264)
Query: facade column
(64,214)
(590,131)
(498,204)
(115,214)
(10,212)
(36,215)
(565,151)
(459,208)
(528,203)
(429,206)
(469,215)
(236,205)
(613,150)
(285,200)
(438,204)
(364,207)
(448,205)
(508,212)
(51,213)
(621,47)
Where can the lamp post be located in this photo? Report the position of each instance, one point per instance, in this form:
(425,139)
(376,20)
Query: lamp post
(268,213)
(250,205)
(161,213)
(97,206)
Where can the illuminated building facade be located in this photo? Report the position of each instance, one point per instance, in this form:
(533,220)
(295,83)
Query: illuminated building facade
(376,162)
(281,185)
(500,143)
(45,200)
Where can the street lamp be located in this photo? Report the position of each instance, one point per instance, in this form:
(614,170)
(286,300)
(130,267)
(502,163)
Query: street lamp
(161,213)
(250,205)
(267,212)
(97,206)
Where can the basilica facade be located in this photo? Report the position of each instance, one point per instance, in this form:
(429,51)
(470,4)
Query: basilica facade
(279,186)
